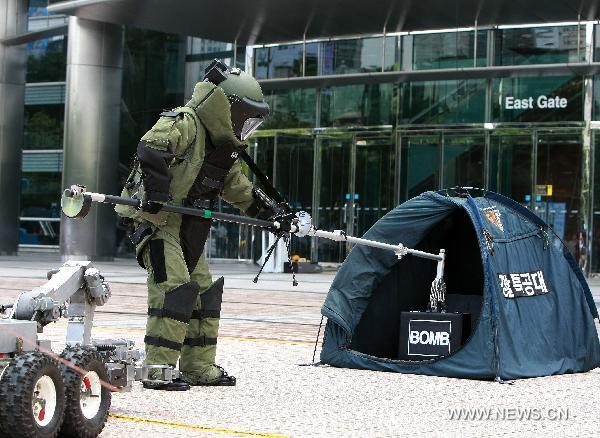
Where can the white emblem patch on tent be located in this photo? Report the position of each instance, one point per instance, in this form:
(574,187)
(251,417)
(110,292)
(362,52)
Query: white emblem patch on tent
(493,215)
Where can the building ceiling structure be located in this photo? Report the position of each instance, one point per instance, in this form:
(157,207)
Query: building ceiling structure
(276,21)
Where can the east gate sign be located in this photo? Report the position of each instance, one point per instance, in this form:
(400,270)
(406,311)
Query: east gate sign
(541,102)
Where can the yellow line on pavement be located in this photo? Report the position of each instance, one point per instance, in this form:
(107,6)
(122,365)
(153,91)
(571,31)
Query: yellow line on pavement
(194,427)
(268,340)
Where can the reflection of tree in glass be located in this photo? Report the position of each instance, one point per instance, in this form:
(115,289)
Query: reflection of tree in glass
(291,109)
(42,130)
(49,67)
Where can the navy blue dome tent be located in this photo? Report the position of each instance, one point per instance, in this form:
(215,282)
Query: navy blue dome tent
(531,309)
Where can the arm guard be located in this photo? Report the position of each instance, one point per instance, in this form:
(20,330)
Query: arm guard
(155,167)
(170,136)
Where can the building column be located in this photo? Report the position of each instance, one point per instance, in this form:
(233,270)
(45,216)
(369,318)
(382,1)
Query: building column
(91,136)
(13,60)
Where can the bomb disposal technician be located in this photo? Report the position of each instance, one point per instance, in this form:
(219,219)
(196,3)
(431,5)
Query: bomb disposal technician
(190,158)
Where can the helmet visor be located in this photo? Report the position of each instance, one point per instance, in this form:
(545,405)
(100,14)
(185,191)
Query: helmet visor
(250,125)
(246,115)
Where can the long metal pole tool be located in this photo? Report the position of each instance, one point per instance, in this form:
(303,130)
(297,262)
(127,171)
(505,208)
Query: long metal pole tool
(76,203)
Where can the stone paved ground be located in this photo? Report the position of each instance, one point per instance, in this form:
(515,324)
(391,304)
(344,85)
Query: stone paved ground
(268,330)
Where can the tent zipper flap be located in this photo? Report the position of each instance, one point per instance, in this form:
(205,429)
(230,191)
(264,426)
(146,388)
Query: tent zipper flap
(545,238)
(496,363)
(489,241)
(488,245)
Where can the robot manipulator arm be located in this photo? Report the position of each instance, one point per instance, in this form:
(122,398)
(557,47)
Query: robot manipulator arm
(76,283)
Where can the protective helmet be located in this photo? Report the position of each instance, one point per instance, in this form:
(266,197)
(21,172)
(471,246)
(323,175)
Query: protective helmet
(248,106)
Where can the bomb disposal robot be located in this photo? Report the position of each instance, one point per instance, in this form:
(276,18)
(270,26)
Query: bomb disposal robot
(43,393)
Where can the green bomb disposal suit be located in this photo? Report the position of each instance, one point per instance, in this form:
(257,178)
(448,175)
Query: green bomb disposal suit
(189,158)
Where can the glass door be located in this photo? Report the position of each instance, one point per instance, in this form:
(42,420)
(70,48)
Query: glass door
(372,194)
(334,211)
(355,188)
(420,164)
(542,171)
(511,171)
(558,193)
(463,160)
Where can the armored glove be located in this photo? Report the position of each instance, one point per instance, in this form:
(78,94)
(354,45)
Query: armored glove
(264,207)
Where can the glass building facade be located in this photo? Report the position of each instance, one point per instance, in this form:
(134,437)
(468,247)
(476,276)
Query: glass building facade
(348,151)
(367,147)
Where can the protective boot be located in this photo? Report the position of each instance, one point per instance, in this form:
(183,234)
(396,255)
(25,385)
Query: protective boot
(175,385)
(197,363)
